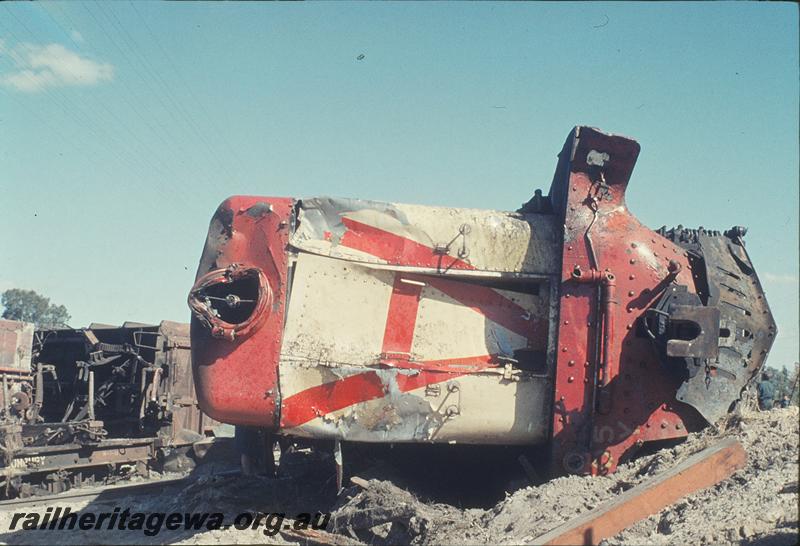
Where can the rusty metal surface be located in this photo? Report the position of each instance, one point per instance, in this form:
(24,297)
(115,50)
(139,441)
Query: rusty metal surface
(186,413)
(618,389)
(142,377)
(94,398)
(744,329)
(605,406)
(73,457)
(15,344)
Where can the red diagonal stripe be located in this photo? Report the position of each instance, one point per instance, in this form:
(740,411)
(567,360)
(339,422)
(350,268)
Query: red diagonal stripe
(393,248)
(403,251)
(319,400)
(322,399)
(451,366)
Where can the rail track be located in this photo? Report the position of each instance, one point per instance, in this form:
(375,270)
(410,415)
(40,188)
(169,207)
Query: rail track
(108,492)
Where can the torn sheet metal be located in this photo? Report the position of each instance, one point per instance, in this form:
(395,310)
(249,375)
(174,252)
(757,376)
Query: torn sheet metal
(235,350)
(348,371)
(430,238)
(406,406)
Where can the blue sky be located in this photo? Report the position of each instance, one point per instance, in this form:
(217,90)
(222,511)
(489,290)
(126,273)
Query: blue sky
(122,126)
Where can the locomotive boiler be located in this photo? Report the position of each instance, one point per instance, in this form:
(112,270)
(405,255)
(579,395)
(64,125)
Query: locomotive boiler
(566,323)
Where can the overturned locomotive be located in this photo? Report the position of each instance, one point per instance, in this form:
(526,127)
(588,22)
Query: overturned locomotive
(567,323)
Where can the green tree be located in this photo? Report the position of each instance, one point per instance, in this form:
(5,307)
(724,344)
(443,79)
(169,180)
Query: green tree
(29,306)
(784,381)
(794,386)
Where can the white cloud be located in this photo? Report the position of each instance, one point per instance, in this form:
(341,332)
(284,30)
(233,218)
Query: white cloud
(781,278)
(76,36)
(53,65)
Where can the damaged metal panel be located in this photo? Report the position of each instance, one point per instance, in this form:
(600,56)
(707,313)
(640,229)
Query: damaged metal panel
(418,406)
(741,334)
(15,344)
(338,315)
(655,364)
(440,239)
(177,358)
(238,303)
(346,371)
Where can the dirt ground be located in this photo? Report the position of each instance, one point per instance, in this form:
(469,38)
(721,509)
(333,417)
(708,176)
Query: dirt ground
(757,505)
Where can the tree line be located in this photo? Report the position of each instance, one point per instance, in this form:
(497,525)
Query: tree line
(29,306)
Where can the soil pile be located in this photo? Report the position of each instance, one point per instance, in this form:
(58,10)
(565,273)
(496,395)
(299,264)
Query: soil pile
(758,504)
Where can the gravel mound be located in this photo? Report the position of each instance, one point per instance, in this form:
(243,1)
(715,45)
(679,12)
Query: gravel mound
(757,505)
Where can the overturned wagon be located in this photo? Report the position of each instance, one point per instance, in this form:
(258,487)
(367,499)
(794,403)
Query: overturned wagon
(566,323)
(96,402)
